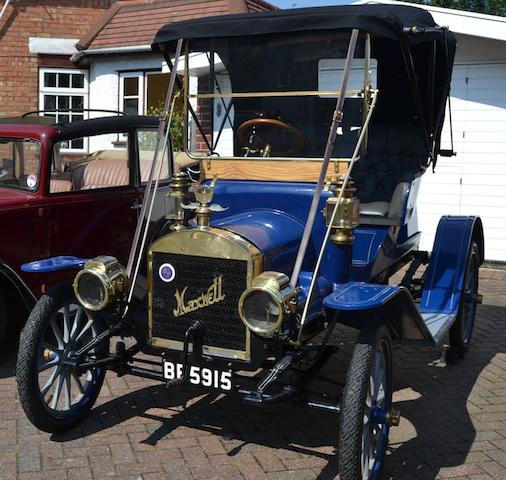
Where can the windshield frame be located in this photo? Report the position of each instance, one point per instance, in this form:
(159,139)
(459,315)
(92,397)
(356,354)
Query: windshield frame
(367,95)
(18,166)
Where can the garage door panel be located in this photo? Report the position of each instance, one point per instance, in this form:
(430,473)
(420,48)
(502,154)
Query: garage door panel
(482,169)
(482,125)
(483,180)
(475,106)
(486,136)
(477,73)
(493,192)
(478,149)
(473,182)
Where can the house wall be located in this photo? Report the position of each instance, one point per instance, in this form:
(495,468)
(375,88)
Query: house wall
(104,77)
(477,49)
(19,80)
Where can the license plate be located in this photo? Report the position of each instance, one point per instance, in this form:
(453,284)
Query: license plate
(201,376)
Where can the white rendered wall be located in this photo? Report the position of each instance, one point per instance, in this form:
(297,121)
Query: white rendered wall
(104,86)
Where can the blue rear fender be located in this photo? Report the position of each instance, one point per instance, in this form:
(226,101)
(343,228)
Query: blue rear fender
(445,274)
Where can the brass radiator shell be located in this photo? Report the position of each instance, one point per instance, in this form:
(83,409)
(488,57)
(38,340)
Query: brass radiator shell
(208,243)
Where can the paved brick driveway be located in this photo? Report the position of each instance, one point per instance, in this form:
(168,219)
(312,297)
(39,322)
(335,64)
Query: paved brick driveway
(453,425)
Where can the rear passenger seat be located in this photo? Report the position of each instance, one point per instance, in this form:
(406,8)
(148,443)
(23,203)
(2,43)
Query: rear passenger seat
(104,173)
(109,168)
(59,186)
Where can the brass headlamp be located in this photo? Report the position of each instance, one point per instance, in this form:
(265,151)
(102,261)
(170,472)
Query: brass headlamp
(347,215)
(101,281)
(263,307)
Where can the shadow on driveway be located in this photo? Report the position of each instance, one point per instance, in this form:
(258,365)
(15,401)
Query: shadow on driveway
(435,400)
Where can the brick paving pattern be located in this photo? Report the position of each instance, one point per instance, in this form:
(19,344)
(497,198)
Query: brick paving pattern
(453,422)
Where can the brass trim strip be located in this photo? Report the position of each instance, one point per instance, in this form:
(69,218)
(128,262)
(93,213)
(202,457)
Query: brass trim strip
(296,93)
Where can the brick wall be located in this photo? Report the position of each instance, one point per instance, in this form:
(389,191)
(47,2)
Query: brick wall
(204,113)
(19,79)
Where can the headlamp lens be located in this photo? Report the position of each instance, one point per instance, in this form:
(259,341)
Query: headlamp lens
(91,291)
(260,311)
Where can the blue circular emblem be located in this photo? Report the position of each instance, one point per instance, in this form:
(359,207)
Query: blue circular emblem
(166,272)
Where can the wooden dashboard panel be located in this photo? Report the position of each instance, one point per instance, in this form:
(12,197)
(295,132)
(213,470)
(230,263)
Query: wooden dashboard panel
(276,170)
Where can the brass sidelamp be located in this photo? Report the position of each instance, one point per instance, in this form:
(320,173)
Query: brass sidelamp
(175,199)
(347,215)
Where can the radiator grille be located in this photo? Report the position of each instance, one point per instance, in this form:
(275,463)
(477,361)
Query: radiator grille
(222,326)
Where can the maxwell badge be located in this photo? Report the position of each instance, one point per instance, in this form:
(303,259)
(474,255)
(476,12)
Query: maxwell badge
(166,272)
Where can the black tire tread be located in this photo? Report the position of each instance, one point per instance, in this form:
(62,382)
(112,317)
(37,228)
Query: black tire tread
(352,406)
(26,375)
(3,317)
(458,348)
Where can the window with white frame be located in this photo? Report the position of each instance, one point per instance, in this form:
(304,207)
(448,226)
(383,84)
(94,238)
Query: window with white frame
(63,95)
(142,92)
(131,93)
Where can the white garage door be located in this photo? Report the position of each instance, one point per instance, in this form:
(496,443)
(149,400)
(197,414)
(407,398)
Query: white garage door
(473,182)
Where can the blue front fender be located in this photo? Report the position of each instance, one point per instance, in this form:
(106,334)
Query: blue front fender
(359,302)
(54,264)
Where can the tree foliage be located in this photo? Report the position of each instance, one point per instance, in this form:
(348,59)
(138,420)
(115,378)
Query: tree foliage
(491,7)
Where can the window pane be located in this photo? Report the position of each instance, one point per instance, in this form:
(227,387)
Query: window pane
(77,103)
(19,164)
(49,102)
(77,143)
(131,85)
(50,79)
(157,89)
(77,117)
(131,106)
(64,80)
(63,118)
(93,162)
(63,102)
(77,80)
(146,140)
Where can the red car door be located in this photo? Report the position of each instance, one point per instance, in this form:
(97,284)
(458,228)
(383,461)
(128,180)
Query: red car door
(93,207)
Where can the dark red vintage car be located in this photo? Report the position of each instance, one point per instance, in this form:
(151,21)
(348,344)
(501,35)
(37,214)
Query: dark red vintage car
(71,189)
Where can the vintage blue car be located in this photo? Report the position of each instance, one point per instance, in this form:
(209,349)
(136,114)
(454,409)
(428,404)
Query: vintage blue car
(312,129)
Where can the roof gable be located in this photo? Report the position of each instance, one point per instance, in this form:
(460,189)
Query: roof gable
(135,24)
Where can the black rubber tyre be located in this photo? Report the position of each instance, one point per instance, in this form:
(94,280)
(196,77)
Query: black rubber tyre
(3,318)
(462,330)
(373,343)
(39,337)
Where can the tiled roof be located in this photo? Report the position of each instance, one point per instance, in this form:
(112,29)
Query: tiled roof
(128,24)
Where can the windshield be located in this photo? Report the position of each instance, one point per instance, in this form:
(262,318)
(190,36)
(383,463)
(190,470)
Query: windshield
(273,95)
(19,163)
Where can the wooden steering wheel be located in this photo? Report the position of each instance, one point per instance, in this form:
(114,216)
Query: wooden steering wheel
(249,129)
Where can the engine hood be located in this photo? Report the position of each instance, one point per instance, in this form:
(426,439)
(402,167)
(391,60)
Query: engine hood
(276,234)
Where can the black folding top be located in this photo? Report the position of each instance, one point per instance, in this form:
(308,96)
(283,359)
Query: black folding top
(95,126)
(391,21)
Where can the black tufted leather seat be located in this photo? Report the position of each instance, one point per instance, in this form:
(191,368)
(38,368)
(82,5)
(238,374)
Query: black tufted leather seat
(396,154)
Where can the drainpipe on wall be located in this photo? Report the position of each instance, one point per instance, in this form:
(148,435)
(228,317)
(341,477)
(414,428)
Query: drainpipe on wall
(4,7)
